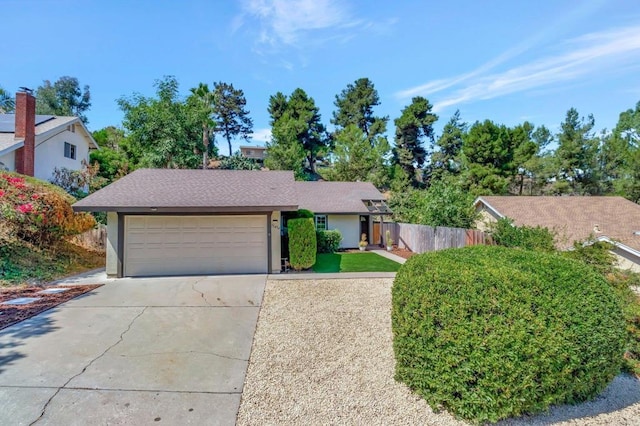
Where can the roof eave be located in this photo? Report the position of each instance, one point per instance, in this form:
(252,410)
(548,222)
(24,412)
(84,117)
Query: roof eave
(12,148)
(488,206)
(619,245)
(183,210)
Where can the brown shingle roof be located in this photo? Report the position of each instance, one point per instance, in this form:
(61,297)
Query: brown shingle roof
(574,218)
(196,191)
(336,197)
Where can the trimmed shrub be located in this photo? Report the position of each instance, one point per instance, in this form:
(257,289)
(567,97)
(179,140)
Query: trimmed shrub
(328,241)
(302,214)
(38,212)
(489,332)
(302,243)
(504,233)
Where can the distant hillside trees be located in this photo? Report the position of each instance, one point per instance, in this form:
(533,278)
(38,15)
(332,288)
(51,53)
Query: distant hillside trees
(63,97)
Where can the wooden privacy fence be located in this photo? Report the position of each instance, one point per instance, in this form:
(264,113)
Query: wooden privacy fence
(423,238)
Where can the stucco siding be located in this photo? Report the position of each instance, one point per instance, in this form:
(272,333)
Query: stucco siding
(485,220)
(627,261)
(50,154)
(275,242)
(349,227)
(9,161)
(112,244)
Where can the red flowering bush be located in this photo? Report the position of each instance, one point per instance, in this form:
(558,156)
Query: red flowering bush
(38,212)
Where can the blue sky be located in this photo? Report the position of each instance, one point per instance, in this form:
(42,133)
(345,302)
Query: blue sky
(507,61)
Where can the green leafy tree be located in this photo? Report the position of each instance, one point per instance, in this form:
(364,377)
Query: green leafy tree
(297,134)
(446,160)
(238,162)
(360,147)
(413,128)
(525,148)
(64,97)
(620,155)
(109,137)
(356,159)
(489,151)
(443,204)
(162,131)
(112,164)
(576,154)
(355,107)
(202,100)
(230,113)
(7,103)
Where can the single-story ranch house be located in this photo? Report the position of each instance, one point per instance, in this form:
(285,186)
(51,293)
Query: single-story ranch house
(612,219)
(188,222)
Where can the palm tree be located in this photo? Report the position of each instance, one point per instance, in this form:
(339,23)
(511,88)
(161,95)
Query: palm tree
(205,100)
(7,104)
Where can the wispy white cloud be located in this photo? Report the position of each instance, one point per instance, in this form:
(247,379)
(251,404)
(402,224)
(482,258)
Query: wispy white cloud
(262,135)
(581,57)
(298,23)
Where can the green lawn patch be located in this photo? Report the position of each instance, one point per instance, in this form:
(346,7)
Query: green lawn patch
(354,262)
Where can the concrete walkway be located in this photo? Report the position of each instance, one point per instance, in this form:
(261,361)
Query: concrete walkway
(390,255)
(134,351)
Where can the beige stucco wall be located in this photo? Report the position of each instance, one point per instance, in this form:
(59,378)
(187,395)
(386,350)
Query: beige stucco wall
(112,244)
(276,241)
(9,161)
(50,154)
(626,261)
(485,220)
(349,227)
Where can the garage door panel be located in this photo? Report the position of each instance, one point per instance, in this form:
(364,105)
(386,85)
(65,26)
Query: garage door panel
(187,245)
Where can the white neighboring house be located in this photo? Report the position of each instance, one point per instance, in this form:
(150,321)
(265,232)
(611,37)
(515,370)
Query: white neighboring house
(35,145)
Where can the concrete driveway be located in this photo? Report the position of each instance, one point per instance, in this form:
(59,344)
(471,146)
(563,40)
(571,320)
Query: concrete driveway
(134,351)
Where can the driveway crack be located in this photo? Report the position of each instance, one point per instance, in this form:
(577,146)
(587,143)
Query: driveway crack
(46,405)
(193,287)
(185,352)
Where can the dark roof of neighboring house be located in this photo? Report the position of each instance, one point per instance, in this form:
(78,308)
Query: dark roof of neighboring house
(173,190)
(339,197)
(573,218)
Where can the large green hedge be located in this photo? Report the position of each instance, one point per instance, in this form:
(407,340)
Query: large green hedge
(302,243)
(490,332)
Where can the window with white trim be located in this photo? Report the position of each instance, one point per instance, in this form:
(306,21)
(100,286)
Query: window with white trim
(321,222)
(69,150)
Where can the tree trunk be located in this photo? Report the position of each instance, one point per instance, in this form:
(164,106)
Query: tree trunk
(521,184)
(205,142)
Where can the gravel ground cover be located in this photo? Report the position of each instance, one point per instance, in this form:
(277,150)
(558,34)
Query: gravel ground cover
(323,354)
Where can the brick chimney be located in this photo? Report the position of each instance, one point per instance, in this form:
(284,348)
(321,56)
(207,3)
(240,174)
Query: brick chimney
(25,129)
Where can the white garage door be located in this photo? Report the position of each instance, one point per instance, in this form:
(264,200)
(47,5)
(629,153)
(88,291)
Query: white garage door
(194,245)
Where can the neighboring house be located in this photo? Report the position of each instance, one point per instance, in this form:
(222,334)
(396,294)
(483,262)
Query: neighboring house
(35,145)
(611,219)
(345,206)
(254,152)
(187,222)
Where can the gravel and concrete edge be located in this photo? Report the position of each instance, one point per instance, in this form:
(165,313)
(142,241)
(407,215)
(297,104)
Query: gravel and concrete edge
(323,354)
